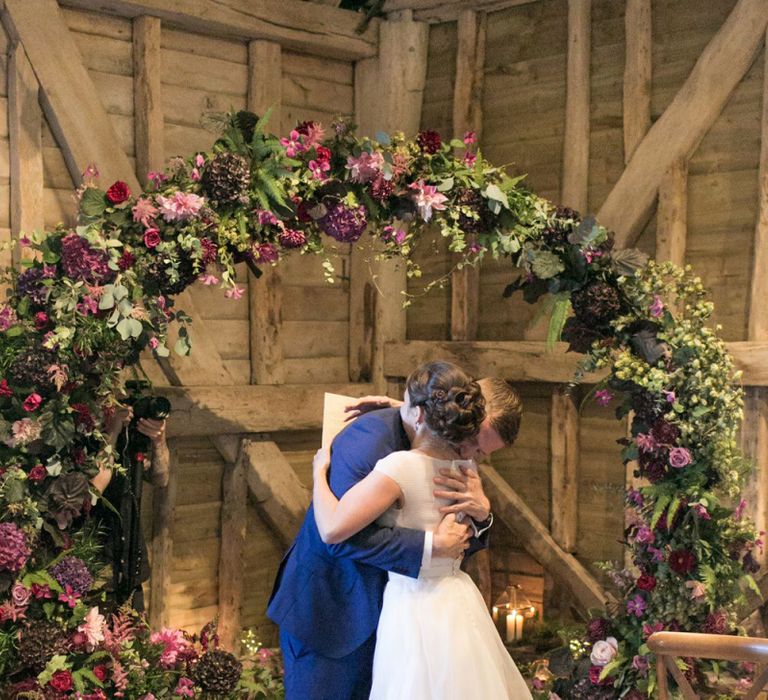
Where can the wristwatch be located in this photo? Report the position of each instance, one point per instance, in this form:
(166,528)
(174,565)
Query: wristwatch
(482,525)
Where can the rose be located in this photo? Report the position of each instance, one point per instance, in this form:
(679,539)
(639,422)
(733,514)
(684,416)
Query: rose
(20,595)
(118,193)
(323,154)
(604,651)
(679,457)
(151,238)
(100,672)
(646,582)
(5,390)
(61,681)
(32,402)
(37,473)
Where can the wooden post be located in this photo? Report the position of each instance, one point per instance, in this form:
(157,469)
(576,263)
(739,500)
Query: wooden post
(672,226)
(265,295)
(388,96)
(564,449)
(233,528)
(147,97)
(25,120)
(163,516)
(576,140)
(637,74)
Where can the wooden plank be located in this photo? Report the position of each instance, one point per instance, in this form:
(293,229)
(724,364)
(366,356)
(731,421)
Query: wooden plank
(564,468)
(226,409)
(678,131)
(25,120)
(438,11)
(672,217)
(266,293)
(535,538)
(148,97)
(576,141)
(278,493)
(754,445)
(637,74)
(300,26)
(163,517)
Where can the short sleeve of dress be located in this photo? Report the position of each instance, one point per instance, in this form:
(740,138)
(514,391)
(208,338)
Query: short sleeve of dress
(395,466)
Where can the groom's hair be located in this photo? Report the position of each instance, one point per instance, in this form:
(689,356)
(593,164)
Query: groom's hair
(503,406)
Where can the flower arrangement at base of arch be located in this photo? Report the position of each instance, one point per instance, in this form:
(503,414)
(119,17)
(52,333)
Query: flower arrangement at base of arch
(90,300)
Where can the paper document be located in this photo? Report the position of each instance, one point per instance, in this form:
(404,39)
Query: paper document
(334,416)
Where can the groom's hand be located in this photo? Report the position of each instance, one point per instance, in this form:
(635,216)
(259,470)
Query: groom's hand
(465,489)
(450,538)
(369,403)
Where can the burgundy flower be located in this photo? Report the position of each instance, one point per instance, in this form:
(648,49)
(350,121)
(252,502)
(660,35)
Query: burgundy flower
(597,629)
(37,473)
(646,582)
(5,390)
(81,261)
(41,320)
(210,251)
(344,224)
(32,402)
(594,676)
(290,238)
(118,193)
(14,550)
(716,623)
(323,154)
(126,261)
(429,141)
(151,238)
(264,253)
(652,467)
(681,561)
(665,433)
(61,680)
(100,672)
(83,417)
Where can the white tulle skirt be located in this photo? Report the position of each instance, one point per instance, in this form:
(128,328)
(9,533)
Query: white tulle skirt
(436,641)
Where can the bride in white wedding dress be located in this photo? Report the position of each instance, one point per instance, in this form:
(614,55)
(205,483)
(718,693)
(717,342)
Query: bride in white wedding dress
(435,639)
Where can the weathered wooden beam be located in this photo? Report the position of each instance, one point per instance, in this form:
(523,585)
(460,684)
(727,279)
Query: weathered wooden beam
(265,295)
(230,409)
(388,97)
(296,25)
(435,11)
(678,132)
(163,516)
(537,541)
(754,445)
(672,215)
(564,468)
(637,74)
(575,185)
(25,121)
(278,493)
(147,97)
(233,529)
(531,361)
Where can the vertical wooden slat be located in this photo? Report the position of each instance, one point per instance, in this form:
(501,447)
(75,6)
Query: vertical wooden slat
(576,139)
(163,516)
(25,119)
(661,677)
(672,222)
(564,450)
(637,74)
(147,96)
(388,97)
(265,294)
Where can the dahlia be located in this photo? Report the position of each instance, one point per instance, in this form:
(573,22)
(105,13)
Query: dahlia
(180,206)
(681,561)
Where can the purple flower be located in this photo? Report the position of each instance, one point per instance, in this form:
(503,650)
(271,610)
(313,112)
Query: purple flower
(291,238)
(657,555)
(14,550)
(670,396)
(30,284)
(72,571)
(640,664)
(634,496)
(739,511)
(603,397)
(345,224)
(398,235)
(657,308)
(679,457)
(636,606)
(701,511)
(644,535)
(264,253)
(81,261)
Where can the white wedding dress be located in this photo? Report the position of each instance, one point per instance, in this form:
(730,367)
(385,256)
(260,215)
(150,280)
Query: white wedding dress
(435,640)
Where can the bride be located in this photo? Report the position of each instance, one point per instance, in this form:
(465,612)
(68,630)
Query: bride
(435,639)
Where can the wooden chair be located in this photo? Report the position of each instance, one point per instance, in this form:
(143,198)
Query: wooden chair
(669,645)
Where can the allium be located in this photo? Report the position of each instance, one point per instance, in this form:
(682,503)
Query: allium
(72,571)
(174,643)
(290,238)
(180,206)
(636,606)
(343,223)
(427,198)
(93,628)
(29,284)
(716,623)
(14,550)
(681,561)
(144,211)
(365,167)
(679,457)
(429,141)
(604,651)
(597,629)
(81,261)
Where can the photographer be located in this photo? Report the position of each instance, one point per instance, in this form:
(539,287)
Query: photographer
(137,432)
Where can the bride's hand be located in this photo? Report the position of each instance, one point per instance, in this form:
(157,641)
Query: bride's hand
(321,462)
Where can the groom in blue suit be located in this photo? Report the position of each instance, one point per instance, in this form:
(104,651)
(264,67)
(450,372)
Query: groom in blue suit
(327,598)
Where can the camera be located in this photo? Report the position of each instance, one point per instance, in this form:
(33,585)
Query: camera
(144,406)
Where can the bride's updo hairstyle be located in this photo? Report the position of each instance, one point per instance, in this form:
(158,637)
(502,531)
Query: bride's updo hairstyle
(454,406)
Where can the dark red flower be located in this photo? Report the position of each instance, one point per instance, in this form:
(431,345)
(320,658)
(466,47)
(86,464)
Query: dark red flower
(665,433)
(61,681)
(210,251)
(41,320)
(716,623)
(5,390)
(100,672)
(37,473)
(429,141)
(597,629)
(323,154)
(681,561)
(126,260)
(151,238)
(32,402)
(646,582)
(594,676)
(118,193)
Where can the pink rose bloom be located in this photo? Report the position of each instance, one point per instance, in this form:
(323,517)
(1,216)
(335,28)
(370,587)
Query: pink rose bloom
(93,628)
(180,206)
(32,402)
(151,238)
(365,167)
(604,651)
(679,457)
(427,199)
(144,211)
(20,595)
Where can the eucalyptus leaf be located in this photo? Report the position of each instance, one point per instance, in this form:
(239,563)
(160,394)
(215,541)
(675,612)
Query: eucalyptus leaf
(383,138)
(182,346)
(445,185)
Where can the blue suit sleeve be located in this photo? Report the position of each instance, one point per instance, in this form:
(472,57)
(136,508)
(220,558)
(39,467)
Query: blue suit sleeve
(354,454)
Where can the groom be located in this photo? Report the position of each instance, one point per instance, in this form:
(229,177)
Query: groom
(327,598)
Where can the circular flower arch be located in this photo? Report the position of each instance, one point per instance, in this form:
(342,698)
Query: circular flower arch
(94,297)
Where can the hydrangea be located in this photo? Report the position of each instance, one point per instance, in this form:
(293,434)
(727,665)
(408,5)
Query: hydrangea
(30,284)
(14,549)
(72,571)
(81,261)
(345,224)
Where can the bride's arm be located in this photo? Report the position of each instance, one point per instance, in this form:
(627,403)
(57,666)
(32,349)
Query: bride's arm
(337,519)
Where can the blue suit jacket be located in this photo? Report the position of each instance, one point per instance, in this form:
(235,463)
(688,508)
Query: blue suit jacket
(329,596)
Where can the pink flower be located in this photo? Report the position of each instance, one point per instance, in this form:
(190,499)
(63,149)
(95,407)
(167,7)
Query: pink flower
(398,235)
(266,218)
(208,279)
(649,629)
(312,132)
(470,137)
(88,306)
(604,651)
(698,591)
(603,397)
(10,612)
(7,317)
(234,293)
(657,308)
(646,443)
(144,211)
(32,402)
(154,343)
(93,628)
(645,535)
(69,596)
(470,159)
(174,643)
(319,168)
(636,606)
(41,591)
(151,238)
(292,144)
(427,198)
(199,160)
(25,241)
(156,178)
(365,167)
(657,555)
(20,595)
(181,206)
(670,396)
(591,255)
(185,687)
(24,431)
(640,664)
(195,175)
(701,511)
(5,390)
(90,173)
(679,457)
(737,513)
(37,474)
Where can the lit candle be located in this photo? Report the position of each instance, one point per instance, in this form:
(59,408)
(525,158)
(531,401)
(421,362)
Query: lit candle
(514,626)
